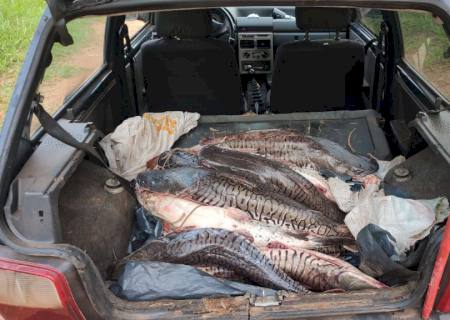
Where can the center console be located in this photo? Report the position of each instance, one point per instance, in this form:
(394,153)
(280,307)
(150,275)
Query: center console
(255,52)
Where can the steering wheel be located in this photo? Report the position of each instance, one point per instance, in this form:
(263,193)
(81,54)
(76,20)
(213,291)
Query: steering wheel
(223,26)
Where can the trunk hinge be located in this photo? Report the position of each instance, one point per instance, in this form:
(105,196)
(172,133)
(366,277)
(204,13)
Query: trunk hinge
(267,301)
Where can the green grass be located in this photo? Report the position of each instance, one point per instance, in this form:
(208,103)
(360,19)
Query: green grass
(19,19)
(60,67)
(421,28)
(372,20)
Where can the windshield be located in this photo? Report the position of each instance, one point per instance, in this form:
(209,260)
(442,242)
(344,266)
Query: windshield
(256,12)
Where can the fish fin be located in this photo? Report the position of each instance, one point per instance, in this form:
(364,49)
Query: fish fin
(247,235)
(326,173)
(301,235)
(277,245)
(351,247)
(195,149)
(333,241)
(152,163)
(167,228)
(176,231)
(237,214)
(235,177)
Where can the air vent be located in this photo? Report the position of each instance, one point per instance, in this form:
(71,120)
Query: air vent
(247,44)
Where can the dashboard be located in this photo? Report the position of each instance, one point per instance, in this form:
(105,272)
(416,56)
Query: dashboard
(255,52)
(257,32)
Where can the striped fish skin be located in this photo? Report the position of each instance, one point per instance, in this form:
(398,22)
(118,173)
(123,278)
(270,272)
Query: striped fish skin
(218,247)
(214,188)
(273,174)
(220,272)
(320,272)
(179,213)
(299,149)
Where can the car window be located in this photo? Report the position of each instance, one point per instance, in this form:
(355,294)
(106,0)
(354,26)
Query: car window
(134,23)
(372,20)
(72,65)
(427,48)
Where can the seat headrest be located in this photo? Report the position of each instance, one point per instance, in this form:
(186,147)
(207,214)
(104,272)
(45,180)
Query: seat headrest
(184,24)
(313,19)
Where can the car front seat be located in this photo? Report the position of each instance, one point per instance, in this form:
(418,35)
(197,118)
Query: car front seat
(187,71)
(319,75)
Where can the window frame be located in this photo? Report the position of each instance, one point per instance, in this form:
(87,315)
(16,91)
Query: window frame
(368,29)
(413,77)
(70,100)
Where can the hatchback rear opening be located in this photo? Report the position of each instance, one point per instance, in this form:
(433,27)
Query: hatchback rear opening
(254,162)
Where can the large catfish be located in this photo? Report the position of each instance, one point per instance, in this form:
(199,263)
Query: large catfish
(179,214)
(216,188)
(299,149)
(218,247)
(269,173)
(314,270)
(320,272)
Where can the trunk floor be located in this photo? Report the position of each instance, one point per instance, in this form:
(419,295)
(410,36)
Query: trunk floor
(360,127)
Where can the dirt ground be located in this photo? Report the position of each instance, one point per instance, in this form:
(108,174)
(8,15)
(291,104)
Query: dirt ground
(85,61)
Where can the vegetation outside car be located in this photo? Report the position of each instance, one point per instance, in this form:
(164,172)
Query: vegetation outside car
(19,21)
(426,45)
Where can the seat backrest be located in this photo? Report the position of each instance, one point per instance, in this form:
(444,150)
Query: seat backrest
(319,75)
(184,70)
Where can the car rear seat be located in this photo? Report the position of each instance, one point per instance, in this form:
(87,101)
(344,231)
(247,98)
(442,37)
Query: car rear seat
(184,70)
(319,75)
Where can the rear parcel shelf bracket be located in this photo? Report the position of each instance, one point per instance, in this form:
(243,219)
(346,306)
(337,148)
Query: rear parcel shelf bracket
(266,301)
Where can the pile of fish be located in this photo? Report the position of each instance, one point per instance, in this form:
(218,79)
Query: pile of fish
(234,206)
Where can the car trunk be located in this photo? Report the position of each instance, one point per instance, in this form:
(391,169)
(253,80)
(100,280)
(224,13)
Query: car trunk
(62,207)
(67,203)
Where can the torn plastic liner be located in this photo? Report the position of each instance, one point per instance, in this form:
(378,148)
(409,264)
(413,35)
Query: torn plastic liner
(146,281)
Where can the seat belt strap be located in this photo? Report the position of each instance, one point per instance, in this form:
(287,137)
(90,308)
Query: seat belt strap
(54,129)
(125,35)
(380,77)
(140,86)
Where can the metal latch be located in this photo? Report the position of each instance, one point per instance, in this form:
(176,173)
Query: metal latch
(266,301)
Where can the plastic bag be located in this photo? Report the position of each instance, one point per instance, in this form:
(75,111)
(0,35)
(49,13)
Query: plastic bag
(139,139)
(147,227)
(407,220)
(376,249)
(146,281)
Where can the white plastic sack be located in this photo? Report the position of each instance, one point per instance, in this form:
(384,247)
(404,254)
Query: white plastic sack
(347,199)
(407,220)
(139,139)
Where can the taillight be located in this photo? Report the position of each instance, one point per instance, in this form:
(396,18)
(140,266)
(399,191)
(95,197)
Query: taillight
(34,291)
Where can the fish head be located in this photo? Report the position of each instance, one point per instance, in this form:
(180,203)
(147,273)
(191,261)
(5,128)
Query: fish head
(362,166)
(354,165)
(172,181)
(177,158)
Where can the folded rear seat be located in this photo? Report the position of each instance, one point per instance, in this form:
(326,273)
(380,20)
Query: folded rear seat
(319,75)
